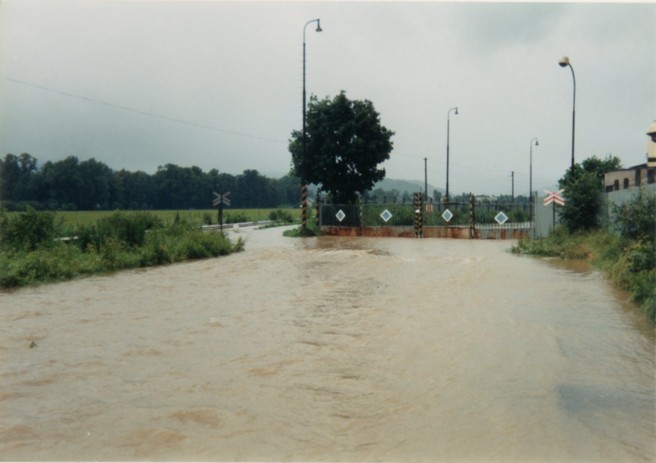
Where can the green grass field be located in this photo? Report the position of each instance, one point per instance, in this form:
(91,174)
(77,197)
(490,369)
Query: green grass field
(73,219)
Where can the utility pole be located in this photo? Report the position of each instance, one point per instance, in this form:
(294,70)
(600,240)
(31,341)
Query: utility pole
(425,179)
(512,183)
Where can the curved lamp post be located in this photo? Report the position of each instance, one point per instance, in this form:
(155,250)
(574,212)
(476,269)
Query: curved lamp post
(303,173)
(530,174)
(564,62)
(448,113)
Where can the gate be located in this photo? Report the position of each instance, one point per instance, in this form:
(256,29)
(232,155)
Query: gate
(472,219)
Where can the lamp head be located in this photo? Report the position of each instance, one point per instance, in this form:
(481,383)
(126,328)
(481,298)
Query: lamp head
(536,142)
(564,62)
(456,111)
(319,26)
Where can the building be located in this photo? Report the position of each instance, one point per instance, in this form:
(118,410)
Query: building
(636,176)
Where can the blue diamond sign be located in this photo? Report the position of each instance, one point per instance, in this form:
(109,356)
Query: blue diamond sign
(340,215)
(386,215)
(447,215)
(501,218)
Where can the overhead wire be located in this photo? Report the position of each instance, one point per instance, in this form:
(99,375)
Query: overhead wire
(142,112)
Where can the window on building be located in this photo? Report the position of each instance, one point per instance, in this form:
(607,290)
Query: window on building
(626,183)
(616,185)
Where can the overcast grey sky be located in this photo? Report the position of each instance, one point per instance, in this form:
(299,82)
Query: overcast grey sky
(138,84)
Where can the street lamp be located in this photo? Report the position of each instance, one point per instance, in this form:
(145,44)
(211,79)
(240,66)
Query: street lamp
(564,62)
(448,113)
(303,172)
(530,174)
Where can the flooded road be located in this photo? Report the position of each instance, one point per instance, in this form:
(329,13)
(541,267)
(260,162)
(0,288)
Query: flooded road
(329,348)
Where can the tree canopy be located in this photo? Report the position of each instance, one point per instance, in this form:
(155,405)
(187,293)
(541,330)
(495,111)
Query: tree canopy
(344,144)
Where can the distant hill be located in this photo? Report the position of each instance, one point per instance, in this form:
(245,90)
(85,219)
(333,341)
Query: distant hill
(410,186)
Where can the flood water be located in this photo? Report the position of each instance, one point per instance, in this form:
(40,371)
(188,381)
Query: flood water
(337,349)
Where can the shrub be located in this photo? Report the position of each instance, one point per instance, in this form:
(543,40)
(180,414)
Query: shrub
(57,262)
(156,250)
(581,211)
(129,229)
(636,219)
(182,243)
(559,243)
(281,216)
(298,232)
(235,217)
(198,245)
(28,230)
(115,243)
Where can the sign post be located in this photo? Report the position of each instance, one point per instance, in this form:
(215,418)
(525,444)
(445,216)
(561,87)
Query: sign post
(418,203)
(219,200)
(553,199)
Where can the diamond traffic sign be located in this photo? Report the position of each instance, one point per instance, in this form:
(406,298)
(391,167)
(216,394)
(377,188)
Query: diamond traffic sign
(501,218)
(340,215)
(447,215)
(554,198)
(386,215)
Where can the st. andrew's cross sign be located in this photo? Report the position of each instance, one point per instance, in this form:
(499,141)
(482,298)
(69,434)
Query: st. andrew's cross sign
(554,198)
(220,200)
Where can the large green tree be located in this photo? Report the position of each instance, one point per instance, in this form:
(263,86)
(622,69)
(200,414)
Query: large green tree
(583,185)
(344,144)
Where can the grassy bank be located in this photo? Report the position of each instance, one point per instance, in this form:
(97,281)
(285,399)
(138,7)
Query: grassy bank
(630,264)
(32,252)
(72,219)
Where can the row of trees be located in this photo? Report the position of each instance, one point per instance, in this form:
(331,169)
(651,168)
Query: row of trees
(71,184)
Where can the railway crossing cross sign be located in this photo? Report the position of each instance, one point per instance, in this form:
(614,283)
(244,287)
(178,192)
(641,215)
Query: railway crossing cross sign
(221,199)
(554,197)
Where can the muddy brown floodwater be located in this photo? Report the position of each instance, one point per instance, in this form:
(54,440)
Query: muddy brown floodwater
(334,349)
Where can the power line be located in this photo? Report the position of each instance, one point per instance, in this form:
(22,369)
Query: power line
(143,113)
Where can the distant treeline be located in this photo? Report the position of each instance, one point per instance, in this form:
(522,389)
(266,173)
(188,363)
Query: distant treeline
(71,184)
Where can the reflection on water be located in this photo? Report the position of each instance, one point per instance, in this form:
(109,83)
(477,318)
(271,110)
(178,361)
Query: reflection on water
(329,349)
